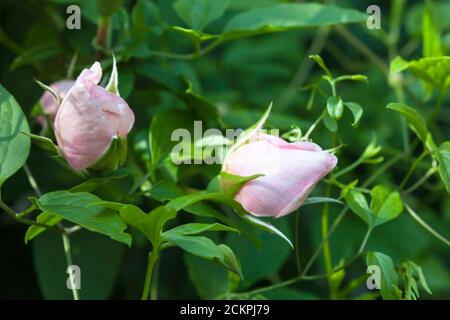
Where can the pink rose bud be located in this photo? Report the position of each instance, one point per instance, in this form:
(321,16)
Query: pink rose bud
(90,118)
(291,170)
(48,101)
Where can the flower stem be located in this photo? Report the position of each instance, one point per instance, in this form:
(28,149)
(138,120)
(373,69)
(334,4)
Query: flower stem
(152,258)
(32,180)
(68,253)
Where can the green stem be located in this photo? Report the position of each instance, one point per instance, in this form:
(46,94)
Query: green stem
(154,286)
(68,253)
(301,74)
(32,180)
(188,56)
(297,279)
(326,244)
(361,46)
(348,168)
(426,226)
(419,182)
(366,238)
(152,258)
(297,242)
(412,168)
(314,125)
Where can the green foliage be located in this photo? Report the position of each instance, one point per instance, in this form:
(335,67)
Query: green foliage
(84,209)
(14,146)
(389,278)
(335,107)
(443,155)
(432,70)
(413,276)
(99,258)
(286,16)
(221,63)
(416,122)
(198,14)
(385,205)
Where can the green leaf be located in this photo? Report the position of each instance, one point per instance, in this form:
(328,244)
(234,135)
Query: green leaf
(432,70)
(430,34)
(44,143)
(443,156)
(14,146)
(261,259)
(113,83)
(388,276)
(199,246)
(412,275)
(230,261)
(330,123)
(82,208)
(45,218)
(190,229)
(150,224)
(335,107)
(94,183)
(352,77)
(195,35)
(416,123)
(358,204)
(231,183)
(398,64)
(318,59)
(386,204)
(317,200)
(252,131)
(205,248)
(185,201)
(160,133)
(99,258)
(198,14)
(267,227)
(201,272)
(40,52)
(287,16)
(356,110)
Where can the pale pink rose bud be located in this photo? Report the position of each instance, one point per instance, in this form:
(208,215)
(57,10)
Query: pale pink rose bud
(89,118)
(291,170)
(48,101)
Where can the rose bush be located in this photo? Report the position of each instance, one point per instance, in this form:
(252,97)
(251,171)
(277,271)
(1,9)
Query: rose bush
(356,179)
